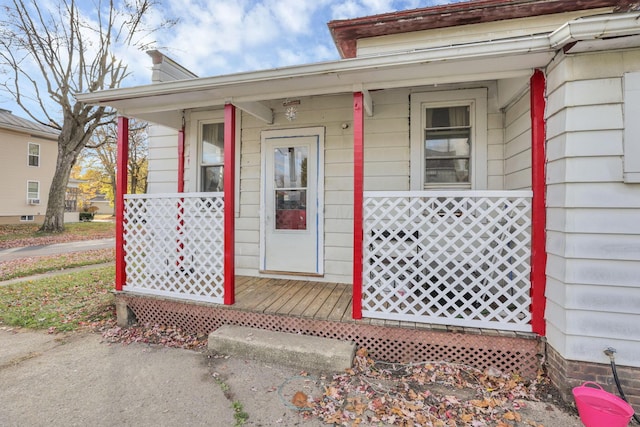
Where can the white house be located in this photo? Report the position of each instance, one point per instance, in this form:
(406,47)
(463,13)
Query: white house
(463,184)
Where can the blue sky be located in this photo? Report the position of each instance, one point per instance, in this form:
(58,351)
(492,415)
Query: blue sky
(215,37)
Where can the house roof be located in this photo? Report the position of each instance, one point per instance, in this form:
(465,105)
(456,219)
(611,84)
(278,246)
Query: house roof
(347,32)
(488,59)
(18,124)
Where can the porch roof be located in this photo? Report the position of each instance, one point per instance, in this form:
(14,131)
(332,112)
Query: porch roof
(163,103)
(347,32)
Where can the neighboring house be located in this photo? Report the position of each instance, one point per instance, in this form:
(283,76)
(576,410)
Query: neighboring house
(467,177)
(27,164)
(103,204)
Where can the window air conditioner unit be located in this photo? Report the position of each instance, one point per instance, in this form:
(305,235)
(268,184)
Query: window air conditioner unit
(34,201)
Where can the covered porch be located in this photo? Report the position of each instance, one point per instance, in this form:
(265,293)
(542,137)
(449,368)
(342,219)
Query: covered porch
(447,258)
(424,262)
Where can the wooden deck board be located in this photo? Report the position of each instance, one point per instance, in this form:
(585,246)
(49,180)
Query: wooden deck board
(262,288)
(274,293)
(300,298)
(322,298)
(286,296)
(310,298)
(290,304)
(330,302)
(339,310)
(242,285)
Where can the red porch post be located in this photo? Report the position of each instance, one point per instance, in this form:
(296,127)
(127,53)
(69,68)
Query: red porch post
(358,197)
(539,215)
(121,189)
(229,203)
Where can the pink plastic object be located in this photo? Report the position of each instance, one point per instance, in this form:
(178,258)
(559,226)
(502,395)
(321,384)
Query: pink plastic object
(598,408)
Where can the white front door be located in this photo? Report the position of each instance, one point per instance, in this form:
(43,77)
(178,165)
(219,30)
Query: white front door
(292,220)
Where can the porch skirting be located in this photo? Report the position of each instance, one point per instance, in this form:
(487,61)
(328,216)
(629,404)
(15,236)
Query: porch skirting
(507,351)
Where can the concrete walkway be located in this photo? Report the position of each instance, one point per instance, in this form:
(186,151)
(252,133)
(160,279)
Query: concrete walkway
(77,380)
(56,248)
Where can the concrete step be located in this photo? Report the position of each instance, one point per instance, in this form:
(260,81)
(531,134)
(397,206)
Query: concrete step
(312,354)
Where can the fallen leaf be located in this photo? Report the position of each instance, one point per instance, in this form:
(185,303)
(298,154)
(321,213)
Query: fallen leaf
(300,399)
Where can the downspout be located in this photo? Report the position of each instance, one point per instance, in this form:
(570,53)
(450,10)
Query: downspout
(538,214)
(121,189)
(229,203)
(181,157)
(180,229)
(358,198)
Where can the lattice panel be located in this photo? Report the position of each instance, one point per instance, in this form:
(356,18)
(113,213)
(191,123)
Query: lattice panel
(174,245)
(383,343)
(455,258)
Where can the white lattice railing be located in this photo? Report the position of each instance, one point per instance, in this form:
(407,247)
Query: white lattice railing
(448,257)
(174,245)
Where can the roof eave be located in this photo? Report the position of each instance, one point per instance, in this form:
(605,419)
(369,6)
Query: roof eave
(346,32)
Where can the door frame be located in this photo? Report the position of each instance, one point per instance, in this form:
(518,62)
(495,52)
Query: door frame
(319,133)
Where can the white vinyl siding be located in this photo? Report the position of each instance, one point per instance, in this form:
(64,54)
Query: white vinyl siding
(517,148)
(593,236)
(163,163)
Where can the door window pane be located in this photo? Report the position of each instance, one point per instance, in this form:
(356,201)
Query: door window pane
(290,178)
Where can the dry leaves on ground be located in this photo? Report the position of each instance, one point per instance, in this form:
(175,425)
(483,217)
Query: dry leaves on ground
(167,336)
(427,394)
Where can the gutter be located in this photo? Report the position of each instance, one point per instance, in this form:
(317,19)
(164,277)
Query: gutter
(596,27)
(591,28)
(53,135)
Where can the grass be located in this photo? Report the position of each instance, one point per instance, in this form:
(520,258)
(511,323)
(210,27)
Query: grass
(62,303)
(30,266)
(72,230)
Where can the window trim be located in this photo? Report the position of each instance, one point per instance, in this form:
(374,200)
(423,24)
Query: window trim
(476,99)
(28,192)
(631,138)
(37,156)
(27,218)
(193,162)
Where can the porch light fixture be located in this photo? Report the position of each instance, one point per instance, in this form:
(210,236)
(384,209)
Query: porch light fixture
(291,111)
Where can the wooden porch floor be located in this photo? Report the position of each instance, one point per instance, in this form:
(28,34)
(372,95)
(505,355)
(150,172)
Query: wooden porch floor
(299,298)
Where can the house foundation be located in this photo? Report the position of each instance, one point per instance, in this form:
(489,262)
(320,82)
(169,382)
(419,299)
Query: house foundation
(567,374)
(482,349)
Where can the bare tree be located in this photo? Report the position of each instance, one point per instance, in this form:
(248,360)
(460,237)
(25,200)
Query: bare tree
(101,153)
(53,54)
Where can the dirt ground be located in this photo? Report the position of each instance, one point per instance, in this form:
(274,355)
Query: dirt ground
(78,379)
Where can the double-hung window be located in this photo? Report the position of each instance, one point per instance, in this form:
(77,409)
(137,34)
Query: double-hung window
(34,154)
(447,145)
(449,140)
(212,157)
(33,190)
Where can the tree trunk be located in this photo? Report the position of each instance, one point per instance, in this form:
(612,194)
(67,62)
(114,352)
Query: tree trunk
(67,156)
